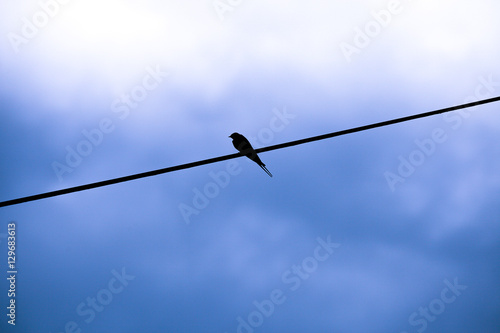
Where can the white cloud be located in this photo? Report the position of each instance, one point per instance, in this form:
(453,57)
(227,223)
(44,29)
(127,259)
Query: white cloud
(109,44)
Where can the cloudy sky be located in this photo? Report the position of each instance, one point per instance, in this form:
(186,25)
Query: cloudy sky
(394,229)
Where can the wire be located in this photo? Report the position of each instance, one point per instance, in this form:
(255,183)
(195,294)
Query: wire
(380,124)
(235,155)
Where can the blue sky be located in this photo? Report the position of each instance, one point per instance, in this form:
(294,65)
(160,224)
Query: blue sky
(389,230)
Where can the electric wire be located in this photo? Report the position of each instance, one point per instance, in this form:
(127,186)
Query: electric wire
(235,155)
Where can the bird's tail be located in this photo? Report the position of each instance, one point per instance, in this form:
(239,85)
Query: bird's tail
(263,166)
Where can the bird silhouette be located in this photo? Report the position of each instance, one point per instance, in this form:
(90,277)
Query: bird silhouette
(245,148)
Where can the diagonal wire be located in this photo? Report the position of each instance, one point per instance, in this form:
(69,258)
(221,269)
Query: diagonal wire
(231,156)
(380,124)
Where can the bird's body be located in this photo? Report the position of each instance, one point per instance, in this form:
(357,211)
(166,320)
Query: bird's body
(245,148)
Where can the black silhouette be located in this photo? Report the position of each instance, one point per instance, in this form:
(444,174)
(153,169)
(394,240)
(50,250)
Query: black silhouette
(245,148)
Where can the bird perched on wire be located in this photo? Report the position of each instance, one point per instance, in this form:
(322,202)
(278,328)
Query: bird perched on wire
(245,148)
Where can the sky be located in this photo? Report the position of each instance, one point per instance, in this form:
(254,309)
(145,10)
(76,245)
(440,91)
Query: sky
(394,229)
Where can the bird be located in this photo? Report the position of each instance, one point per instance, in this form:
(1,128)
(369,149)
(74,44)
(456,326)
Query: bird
(245,148)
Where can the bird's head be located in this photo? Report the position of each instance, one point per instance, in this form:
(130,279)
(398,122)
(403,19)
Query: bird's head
(234,135)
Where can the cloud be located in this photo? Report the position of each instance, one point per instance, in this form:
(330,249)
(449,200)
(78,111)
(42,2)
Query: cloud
(231,75)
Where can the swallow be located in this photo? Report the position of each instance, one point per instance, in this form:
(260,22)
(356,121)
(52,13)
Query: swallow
(245,148)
